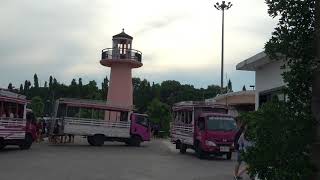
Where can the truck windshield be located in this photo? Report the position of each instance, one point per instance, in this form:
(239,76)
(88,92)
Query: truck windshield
(221,124)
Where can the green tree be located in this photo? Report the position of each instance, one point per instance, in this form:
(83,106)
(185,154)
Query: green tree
(170,92)
(80,82)
(159,113)
(104,87)
(289,159)
(45,84)
(316,95)
(35,81)
(292,41)
(50,82)
(27,86)
(10,87)
(21,89)
(142,95)
(244,88)
(229,87)
(73,82)
(37,106)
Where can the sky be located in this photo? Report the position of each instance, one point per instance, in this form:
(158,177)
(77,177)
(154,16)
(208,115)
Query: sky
(180,40)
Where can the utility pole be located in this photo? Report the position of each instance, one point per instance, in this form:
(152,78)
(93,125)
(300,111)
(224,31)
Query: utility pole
(223,6)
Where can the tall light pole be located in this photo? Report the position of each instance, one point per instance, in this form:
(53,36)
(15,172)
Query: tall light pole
(223,6)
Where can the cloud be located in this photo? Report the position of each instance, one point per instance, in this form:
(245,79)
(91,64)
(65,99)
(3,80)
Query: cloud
(179,40)
(159,23)
(200,76)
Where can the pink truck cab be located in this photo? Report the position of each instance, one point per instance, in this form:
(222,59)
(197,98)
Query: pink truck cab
(214,134)
(16,125)
(140,126)
(206,128)
(99,122)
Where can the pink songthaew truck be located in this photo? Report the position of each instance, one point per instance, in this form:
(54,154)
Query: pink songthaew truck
(206,128)
(16,128)
(99,122)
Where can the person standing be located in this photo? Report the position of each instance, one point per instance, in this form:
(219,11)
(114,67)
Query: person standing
(39,131)
(240,128)
(244,145)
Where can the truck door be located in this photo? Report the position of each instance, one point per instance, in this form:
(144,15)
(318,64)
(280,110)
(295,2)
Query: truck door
(200,129)
(140,126)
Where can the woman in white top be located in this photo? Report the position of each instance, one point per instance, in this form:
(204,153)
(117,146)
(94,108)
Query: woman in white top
(244,144)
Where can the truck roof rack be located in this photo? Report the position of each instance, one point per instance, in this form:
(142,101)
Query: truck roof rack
(92,104)
(195,103)
(8,96)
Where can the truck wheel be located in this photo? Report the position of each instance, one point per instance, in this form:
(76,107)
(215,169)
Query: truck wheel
(199,152)
(27,142)
(2,145)
(135,141)
(127,142)
(229,155)
(98,140)
(183,148)
(178,144)
(90,140)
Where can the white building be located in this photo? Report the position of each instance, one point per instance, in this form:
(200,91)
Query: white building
(241,101)
(269,81)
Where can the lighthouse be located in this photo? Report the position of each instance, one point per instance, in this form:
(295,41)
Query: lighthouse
(121,58)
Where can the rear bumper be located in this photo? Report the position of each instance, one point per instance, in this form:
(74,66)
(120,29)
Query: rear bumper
(12,141)
(217,150)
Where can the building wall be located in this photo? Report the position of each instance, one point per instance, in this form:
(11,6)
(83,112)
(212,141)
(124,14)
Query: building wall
(268,77)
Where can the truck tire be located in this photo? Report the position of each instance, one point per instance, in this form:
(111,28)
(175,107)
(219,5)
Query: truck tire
(2,144)
(183,148)
(135,141)
(26,143)
(199,152)
(229,155)
(178,144)
(90,140)
(98,140)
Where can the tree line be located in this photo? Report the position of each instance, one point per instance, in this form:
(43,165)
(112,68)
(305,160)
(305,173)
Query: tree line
(144,91)
(155,99)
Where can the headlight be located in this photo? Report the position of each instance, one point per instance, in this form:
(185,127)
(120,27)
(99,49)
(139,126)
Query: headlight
(210,143)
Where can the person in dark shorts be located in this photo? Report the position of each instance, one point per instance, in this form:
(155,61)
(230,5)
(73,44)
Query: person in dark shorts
(55,135)
(240,128)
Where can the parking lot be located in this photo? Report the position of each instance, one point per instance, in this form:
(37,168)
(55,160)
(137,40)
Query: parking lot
(156,160)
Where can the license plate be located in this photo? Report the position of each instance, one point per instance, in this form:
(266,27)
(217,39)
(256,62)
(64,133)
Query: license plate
(224,149)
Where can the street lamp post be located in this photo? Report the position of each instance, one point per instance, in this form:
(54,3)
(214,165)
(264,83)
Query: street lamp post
(223,6)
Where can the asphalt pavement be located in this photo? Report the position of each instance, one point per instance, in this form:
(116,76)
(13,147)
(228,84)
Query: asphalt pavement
(155,160)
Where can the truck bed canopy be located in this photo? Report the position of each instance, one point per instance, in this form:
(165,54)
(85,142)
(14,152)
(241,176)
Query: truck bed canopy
(94,104)
(7,96)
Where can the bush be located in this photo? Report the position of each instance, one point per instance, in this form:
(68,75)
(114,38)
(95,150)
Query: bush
(281,150)
(37,106)
(159,113)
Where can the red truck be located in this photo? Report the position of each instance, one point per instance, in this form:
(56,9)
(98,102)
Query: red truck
(16,127)
(206,128)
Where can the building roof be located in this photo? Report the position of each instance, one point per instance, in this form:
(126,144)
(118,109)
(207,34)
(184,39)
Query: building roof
(122,35)
(254,62)
(234,98)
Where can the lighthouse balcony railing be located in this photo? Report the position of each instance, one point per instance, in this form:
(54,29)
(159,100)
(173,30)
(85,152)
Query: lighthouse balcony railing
(115,53)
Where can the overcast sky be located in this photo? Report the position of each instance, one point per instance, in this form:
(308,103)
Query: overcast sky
(180,39)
